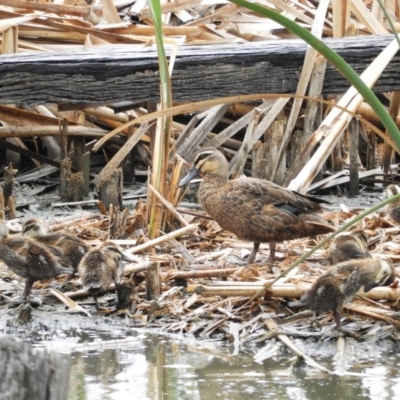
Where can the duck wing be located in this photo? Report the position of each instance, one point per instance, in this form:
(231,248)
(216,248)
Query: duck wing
(259,192)
(265,211)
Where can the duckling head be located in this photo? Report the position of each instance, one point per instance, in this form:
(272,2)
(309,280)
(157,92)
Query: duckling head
(361,235)
(385,276)
(208,161)
(116,253)
(34,228)
(3,229)
(392,190)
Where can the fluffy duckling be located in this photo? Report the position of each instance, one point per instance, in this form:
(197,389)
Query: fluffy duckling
(393,208)
(349,246)
(100,267)
(71,247)
(29,259)
(254,209)
(340,283)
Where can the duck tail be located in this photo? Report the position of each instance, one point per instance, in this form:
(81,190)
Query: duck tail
(297,303)
(303,302)
(92,286)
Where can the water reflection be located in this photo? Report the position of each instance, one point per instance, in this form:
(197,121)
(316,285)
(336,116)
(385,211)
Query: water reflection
(157,368)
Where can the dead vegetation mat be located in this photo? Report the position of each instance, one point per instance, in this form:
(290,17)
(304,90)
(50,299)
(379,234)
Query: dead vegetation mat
(208,291)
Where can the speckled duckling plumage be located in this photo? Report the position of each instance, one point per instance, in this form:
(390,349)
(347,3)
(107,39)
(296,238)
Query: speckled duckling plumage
(349,246)
(100,267)
(340,283)
(254,209)
(393,208)
(29,259)
(71,247)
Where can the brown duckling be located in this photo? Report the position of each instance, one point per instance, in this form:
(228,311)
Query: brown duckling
(254,209)
(349,246)
(100,267)
(340,283)
(29,259)
(71,247)
(393,208)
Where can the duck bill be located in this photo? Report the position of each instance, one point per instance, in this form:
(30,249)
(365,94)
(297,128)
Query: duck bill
(128,257)
(193,172)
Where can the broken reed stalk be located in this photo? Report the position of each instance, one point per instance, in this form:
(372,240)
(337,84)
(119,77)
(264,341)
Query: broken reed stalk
(175,234)
(161,149)
(205,273)
(282,291)
(8,201)
(304,81)
(168,205)
(389,319)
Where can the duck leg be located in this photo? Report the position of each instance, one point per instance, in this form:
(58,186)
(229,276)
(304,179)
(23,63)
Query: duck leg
(253,254)
(28,287)
(338,317)
(271,258)
(95,300)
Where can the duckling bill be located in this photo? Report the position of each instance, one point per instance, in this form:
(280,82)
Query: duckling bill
(349,246)
(100,267)
(340,283)
(29,259)
(254,209)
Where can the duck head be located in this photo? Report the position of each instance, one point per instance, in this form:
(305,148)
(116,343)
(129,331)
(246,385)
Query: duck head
(207,161)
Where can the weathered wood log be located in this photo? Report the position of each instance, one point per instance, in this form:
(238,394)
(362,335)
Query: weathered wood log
(65,174)
(131,74)
(34,374)
(111,189)
(153,282)
(75,186)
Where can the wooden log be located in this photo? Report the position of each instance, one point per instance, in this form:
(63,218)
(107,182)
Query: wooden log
(127,74)
(65,174)
(113,215)
(79,150)
(111,188)
(32,374)
(75,187)
(153,281)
